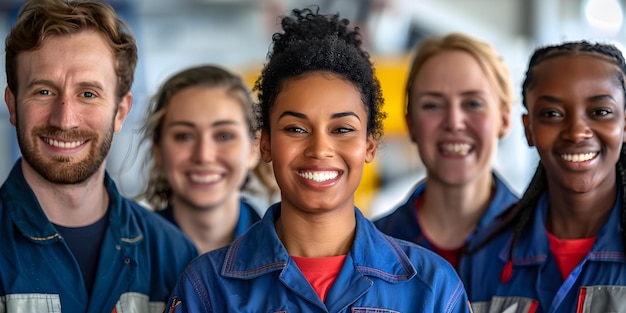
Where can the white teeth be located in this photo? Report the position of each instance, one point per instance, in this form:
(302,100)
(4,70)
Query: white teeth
(579,157)
(63,144)
(204,179)
(456,148)
(319,176)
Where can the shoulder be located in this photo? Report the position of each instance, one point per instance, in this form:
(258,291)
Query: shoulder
(157,230)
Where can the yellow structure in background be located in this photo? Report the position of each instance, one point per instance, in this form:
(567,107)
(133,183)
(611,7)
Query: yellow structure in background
(392,74)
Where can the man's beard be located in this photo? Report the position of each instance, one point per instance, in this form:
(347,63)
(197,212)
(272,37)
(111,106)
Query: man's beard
(62,169)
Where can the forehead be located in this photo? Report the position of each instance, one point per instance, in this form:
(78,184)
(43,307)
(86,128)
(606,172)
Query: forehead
(319,92)
(204,103)
(576,75)
(576,66)
(453,72)
(84,56)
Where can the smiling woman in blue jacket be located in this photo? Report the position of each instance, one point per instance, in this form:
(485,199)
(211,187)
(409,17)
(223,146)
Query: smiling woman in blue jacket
(561,249)
(314,251)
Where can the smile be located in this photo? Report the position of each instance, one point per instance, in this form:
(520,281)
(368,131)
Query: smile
(455,148)
(579,157)
(204,178)
(63,144)
(319,176)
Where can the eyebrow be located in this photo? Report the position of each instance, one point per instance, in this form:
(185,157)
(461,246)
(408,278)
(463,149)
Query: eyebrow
(442,95)
(592,98)
(46,82)
(190,124)
(333,116)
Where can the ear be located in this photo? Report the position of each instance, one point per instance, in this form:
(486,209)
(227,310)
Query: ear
(122,110)
(9,99)
(265,149)
(255,151)
(506,121)
(371,148)
(409,125)
(529,137)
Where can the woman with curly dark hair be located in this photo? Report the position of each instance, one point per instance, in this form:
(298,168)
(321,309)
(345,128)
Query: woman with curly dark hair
(314,251)
(561,248)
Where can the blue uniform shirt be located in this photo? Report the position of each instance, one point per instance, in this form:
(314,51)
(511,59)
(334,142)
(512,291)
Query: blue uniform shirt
(597,284)
(140,258)
(380,274)
(247,217)
(402,223)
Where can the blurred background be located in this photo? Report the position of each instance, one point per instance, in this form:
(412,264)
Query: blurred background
(175,34)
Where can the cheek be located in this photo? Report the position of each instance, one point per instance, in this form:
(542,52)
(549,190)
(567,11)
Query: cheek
(423,130)
(172,155)
(487,128)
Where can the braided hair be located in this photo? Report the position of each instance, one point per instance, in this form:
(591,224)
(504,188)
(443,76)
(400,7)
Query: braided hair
(518,216)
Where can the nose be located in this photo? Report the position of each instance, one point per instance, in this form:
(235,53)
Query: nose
(577,130)
(454,118)
(64,114)
(205,150)
(319,146)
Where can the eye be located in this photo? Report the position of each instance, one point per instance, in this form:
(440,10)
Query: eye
(430,106)
(44,92)
(89,94)
(551,113)
(224,136)
(182,137)
(474,104)
(295,129)
(601,112)
(343,130)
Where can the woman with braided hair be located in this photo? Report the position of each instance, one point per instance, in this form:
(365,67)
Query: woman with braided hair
(314,251)
(561,248)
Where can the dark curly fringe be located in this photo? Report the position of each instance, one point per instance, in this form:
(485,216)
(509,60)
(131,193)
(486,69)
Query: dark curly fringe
(518,216)
(312,42)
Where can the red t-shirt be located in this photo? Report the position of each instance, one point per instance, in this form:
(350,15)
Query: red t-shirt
(450,255)
(569,252)
(320,272)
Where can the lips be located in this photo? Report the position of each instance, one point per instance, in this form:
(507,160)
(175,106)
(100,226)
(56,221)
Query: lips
(204,178)
(64,144)
(318,176)
(456,149)
(578,157)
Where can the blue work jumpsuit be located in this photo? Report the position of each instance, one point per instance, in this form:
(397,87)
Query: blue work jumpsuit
(402,223)
(380,274)
(140,258)
(597,284)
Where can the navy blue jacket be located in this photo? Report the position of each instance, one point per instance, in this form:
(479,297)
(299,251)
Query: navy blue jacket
(402,223)
(597,284)
(380,274)
(140,258)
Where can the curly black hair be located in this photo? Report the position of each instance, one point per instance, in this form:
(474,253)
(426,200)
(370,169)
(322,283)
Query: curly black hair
(312,42)
(518,216)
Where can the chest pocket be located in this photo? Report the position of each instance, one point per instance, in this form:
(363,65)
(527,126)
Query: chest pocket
(506,305)
(30,302)
(602,299)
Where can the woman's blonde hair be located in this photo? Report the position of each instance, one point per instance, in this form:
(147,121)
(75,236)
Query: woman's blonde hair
(490,62)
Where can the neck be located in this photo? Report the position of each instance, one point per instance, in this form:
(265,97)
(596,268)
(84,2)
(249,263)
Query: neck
(449,214)
(579,215)
(316,235)
(70,205)
(208,228)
